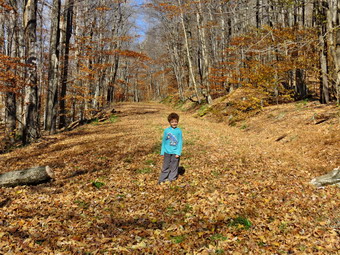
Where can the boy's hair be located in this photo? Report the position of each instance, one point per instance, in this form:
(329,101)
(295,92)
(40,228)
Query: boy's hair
(173,116)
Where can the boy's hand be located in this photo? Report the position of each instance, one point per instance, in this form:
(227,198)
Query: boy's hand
(177,156)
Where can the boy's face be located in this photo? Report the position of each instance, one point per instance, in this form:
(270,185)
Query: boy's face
(173,123)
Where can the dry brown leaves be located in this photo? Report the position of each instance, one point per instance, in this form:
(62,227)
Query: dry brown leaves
(242,192)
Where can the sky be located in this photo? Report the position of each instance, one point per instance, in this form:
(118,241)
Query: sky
(141,24)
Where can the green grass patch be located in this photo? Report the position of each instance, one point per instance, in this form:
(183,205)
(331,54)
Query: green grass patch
(170,210)
(219,251)
(177,239)
(283,227)
(218,237)
(244,126)
(145,170)
(149,162)
(203,110)
(167,100)
(98,185)
(113,118)
(187,208)
(240,222)
(302,104)
(120,196)
(82,204)
(179,104)
(94,122)
(262,244)
(40,242)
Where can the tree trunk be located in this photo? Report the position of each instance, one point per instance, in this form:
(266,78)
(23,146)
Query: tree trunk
(111,89)
(115,58)
(135,88)
(53,72)
(257,14)
(301,87)
(10,115)
(333,39)
(324,87)
(31,176)
(78,62)
(186,42)
(2,51)
(177,67)
(10,94)
(41,50)
(223,42)
(337,51)
(2,32)
(31,130)
(68,18)
(300,74)
(21,55)
(205,57)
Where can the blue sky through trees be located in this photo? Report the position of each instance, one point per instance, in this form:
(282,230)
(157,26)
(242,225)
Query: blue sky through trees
(141,24)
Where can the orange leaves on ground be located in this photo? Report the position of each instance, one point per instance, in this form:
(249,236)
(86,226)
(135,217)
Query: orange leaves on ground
(241,192)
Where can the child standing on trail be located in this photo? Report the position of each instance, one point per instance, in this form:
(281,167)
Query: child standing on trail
(171,149)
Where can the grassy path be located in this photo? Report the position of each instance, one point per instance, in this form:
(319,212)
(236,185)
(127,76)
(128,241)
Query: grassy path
(240,193)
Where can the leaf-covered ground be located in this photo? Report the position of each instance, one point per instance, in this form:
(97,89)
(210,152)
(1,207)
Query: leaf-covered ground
(244,190)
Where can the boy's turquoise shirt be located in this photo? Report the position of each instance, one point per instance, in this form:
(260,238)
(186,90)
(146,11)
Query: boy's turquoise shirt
(172,141)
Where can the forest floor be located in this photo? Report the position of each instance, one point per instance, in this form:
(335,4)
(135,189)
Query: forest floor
(245,189)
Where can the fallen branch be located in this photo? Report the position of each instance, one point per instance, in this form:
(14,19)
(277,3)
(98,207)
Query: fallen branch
(99,116)
(31,176)
(280,138)
(332,177)
(321,121)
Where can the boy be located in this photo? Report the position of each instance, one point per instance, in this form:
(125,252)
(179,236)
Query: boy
(171,149)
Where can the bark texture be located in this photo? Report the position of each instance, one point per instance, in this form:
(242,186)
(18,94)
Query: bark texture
(332,177)
(29,176)
(31,115)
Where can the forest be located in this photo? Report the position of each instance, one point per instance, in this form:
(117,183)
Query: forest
(86,88)
(63,61)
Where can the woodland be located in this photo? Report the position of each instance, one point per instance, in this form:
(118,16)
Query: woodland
(85,89)
(63,61)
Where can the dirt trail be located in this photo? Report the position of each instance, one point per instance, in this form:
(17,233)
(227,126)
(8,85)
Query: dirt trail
(240,193)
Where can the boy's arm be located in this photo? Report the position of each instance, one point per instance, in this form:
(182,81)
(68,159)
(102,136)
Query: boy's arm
(180,144)
(163,143)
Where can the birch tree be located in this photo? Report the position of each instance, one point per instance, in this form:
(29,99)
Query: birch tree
(188,53)
(31,129)
(12,51)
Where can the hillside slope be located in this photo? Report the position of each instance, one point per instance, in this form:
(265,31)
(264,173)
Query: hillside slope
(245,188)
